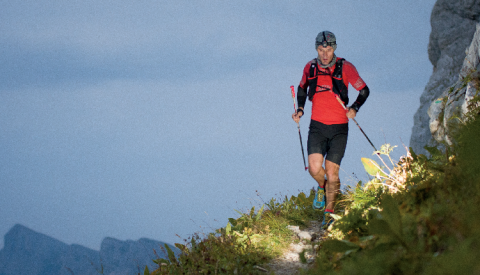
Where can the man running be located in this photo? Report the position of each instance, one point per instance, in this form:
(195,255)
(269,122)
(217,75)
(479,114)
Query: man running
(327,78)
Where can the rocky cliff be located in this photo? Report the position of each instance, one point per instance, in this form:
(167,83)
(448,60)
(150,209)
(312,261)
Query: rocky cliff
(28,252)
(453,26)
(447,111)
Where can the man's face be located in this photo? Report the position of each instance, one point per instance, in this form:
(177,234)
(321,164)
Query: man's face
(325,54)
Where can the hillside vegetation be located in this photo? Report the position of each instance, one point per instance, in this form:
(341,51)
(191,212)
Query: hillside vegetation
(418,215)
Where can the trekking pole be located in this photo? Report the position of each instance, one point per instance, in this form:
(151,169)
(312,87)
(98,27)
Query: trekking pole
(341,103)
(298,125)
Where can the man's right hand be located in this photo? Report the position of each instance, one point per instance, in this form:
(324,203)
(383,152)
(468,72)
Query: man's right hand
(297,115)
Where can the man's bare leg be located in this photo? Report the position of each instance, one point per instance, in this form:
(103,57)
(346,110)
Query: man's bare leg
(315,164)
(333,183)
(315,168)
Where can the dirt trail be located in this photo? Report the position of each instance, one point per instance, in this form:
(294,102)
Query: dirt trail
(290,263)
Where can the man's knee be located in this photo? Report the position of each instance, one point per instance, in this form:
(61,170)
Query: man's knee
(333,180)
(315,163)
(332,174)
(315,170)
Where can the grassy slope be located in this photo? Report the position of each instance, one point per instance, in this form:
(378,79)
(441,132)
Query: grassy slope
(431,225)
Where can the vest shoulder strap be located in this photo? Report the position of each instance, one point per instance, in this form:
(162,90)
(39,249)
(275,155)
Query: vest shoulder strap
(313,67)
(337,73)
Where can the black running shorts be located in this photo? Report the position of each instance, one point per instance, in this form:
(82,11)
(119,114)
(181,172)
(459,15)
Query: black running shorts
(328,140)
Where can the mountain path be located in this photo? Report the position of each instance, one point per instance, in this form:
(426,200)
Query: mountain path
(308,240)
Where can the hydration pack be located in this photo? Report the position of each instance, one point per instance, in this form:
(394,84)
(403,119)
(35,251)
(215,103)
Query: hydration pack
(321,81)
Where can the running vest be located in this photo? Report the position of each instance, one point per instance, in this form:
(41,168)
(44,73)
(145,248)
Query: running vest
(322,82)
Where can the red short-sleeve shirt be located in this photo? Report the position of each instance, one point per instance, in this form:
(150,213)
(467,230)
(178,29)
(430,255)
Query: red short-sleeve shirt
(325,107)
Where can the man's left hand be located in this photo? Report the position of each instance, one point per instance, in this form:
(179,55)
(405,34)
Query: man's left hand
(351,113)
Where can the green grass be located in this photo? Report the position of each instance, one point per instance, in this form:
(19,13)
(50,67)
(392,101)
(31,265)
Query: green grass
(432,226)
(245,244)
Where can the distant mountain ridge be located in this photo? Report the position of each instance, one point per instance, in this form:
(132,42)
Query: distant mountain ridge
(28,252)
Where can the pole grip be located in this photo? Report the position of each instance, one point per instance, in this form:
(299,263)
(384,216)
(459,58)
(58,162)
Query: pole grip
(294,100)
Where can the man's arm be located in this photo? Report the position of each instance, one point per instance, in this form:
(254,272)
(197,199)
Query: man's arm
(301,99)
(362,97)
(302,94)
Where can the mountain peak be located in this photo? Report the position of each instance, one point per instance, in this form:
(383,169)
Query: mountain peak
(46,255)
(21,237)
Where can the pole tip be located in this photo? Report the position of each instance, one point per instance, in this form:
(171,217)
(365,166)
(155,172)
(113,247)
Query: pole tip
(306,168)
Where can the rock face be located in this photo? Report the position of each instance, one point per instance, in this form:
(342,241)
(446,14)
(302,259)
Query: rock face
(28,252)
(447,112)
(453,26)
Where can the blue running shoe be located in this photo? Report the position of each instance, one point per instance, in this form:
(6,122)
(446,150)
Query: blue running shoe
(319,201)
(327,220)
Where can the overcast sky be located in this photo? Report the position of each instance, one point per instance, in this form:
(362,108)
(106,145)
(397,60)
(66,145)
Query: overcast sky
(134,119)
